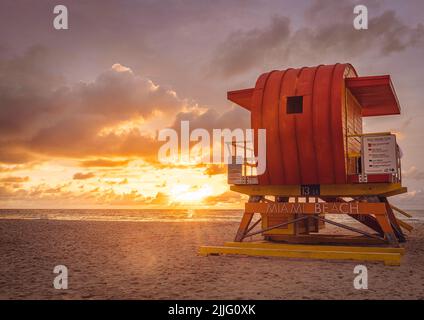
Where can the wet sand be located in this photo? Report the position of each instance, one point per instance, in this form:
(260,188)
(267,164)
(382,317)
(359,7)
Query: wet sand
(159,260)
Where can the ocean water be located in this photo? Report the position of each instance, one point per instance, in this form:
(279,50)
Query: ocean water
(152,215)
(136,215)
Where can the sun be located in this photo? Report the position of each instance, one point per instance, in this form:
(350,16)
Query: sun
(185,193)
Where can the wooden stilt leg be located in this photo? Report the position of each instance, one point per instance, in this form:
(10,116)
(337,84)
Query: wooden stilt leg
(244,225)
(389,234)
(392,218)
(245,221)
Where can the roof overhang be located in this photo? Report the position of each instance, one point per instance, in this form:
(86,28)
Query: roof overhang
(375,94)
(241,97)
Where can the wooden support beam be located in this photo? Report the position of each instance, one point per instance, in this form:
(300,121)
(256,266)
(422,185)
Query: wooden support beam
(369,221)
(326,239)
(365,219)
(276,226)
(254,225)
(405,225)
(347,227)
(406,214)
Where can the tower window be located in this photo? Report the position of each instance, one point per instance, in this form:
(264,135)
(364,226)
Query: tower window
(295,104)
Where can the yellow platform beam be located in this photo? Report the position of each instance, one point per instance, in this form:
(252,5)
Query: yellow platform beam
(270,245)
(328,190)
(389,258)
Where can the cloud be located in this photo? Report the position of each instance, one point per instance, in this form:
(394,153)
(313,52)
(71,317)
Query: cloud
(120,182)
(160,198)
(214,169)
(129,198)
(26,97)
(413,173)
(83,176)
(12,179)
(104,163)
(243,50)
(412,200)
(120,68)
(17,167)
(41,114)
(235,117)
(120,94)
(332,36)
(386,34)
(227,197)
(13,153)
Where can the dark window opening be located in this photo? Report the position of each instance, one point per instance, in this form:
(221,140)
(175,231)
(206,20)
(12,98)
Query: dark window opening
(295,104)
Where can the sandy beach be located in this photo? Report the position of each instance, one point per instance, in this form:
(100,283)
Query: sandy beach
(159,260)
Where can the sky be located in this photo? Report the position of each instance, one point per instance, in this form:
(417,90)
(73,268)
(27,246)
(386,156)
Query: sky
(80,109)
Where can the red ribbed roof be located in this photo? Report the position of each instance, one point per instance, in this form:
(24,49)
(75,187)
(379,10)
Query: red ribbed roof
(309,147)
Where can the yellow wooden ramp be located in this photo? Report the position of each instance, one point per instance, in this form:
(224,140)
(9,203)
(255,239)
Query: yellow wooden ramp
(390,256)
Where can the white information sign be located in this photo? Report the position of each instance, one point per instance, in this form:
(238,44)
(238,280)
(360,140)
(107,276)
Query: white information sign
(379,154)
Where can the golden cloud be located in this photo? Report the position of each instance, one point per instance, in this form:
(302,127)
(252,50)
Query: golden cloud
(103,163)
(83,176)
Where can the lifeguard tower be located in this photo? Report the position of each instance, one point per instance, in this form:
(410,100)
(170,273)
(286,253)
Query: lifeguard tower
(319,162)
